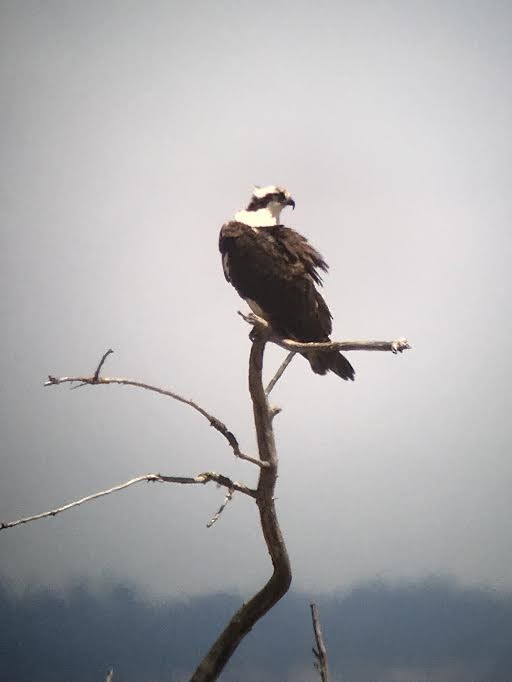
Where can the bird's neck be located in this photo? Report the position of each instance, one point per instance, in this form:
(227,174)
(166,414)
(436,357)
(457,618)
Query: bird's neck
(263,217)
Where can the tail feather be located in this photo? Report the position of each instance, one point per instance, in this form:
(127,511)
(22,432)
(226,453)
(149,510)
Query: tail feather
(330,361)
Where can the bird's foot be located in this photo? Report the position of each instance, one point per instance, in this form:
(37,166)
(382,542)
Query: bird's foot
(261,328)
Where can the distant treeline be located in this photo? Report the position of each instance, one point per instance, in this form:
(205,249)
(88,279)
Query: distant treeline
(434,628)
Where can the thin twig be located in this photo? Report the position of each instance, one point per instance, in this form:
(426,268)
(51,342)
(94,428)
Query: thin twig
(102,361)
(320,652)
(214,422)
(215,518)
(279,372)
(200,479)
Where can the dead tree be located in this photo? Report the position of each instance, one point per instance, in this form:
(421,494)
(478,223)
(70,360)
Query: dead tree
(278,584)
(320,653)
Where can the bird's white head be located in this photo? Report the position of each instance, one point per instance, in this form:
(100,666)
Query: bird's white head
(265,206)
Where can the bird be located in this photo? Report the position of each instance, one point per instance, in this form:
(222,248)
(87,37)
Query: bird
(276,271)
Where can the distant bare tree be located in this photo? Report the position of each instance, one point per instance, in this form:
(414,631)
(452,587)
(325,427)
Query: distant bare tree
(267,462)
(320,653)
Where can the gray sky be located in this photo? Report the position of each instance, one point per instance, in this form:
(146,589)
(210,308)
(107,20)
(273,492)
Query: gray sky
(130,132)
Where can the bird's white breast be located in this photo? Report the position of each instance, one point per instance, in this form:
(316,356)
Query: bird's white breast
(260,218)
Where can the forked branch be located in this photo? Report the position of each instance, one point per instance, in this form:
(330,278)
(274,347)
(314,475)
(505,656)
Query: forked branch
(200,479)
(96,380)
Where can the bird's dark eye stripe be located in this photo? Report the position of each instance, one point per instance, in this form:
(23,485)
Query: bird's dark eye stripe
(263,202)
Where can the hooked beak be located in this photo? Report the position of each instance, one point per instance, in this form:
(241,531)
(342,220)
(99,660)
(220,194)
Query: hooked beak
(290,202)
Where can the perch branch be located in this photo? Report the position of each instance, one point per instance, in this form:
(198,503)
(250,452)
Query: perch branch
(96,380)
(396,346)
(203,478)
(320,652)
(278,584)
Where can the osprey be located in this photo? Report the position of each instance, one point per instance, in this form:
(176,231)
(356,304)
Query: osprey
(275,270)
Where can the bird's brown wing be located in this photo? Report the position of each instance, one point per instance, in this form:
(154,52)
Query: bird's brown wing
(299,250)
(277,268)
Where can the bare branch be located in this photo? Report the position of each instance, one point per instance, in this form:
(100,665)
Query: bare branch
(214,422)
(200,479)
(396,346)
(320,652)
(279,372)
(215,518)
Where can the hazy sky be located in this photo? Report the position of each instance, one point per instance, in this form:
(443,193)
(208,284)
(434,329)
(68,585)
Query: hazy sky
(130,132)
